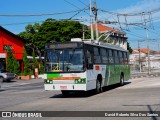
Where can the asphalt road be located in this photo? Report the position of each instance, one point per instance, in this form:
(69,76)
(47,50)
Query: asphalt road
(142,94)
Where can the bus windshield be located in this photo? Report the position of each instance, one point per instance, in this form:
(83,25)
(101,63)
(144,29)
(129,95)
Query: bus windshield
(65,60)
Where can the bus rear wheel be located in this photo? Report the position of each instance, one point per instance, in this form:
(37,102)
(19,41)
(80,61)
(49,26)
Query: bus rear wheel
(122,80)
(98,87)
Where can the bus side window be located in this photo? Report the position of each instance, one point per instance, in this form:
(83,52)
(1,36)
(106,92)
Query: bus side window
(125,58)
(104,55)
(111,60)
(121,58)
(116,57)
(89,60)
(127,54)
(97,58)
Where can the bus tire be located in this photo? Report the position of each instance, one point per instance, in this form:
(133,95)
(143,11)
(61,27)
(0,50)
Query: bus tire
(98,87)
(1,79)
(121,80)
(65,93)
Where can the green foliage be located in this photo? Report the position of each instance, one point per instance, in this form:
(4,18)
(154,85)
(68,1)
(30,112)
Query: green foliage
(12,63)
(51,31)
(27,69)
(10,60)
(35,63)
(16,67)
(129,48)
(41,69)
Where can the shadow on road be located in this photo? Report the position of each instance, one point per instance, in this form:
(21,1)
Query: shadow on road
(150,110)
(83,94)
(2,90)
(10,81)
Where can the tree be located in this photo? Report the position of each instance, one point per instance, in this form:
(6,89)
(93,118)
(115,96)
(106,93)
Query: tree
(10,60)
(27,69)
(41,69)
(129,48)
(35,63)
(36,36)
(12,64)
(16,67)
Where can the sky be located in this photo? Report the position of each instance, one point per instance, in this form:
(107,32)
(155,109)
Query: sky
(123,11)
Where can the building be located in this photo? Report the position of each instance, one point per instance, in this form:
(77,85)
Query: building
(140,57)
(8,39)
(102,28)
(111,35)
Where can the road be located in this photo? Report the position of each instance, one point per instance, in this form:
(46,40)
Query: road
(141,94)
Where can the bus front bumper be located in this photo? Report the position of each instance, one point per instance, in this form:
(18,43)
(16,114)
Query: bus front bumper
(73,87)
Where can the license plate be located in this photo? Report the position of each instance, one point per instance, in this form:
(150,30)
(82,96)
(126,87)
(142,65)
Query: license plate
(63,87)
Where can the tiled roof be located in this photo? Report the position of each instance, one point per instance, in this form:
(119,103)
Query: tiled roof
(143,50)
(102,28)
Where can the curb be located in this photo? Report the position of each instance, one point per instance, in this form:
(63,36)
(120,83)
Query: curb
(145,75)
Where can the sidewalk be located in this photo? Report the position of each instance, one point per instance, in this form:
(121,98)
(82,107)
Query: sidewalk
(144,74)
(17,82)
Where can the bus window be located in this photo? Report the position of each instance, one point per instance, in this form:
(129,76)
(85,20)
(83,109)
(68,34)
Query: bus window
(104,55)
(121,57)
(64,60)
(89,60)
(111,60)
(125,57)
(116,57)
(97,58)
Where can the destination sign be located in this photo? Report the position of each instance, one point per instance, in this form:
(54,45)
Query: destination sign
(63,45)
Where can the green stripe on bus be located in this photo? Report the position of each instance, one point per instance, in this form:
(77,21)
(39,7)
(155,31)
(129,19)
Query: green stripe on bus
(55,75)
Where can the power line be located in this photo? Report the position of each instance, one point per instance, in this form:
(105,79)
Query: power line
(71,4)
(8,24)
(83,3)
(32,15)
(75,6)
(131,14)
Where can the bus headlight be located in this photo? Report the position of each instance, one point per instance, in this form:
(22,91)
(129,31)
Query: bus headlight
(48,81)
(80,81)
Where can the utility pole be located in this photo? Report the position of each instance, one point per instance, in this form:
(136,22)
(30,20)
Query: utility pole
(96,21)
(139,57)
(147,40)
(83,31)
(91,21)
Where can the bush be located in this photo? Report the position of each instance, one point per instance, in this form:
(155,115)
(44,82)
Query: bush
(12,64)
(27,69)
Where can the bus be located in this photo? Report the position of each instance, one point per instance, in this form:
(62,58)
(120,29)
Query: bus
(83,66)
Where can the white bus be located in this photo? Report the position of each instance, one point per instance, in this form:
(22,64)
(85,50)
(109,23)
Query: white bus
(82,66)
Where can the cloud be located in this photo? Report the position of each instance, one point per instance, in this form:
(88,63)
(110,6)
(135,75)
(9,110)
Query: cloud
(141,6)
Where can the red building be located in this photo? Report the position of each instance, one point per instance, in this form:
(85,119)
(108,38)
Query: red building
(8,39)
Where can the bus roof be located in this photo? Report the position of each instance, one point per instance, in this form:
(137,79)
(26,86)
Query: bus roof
(110,46)
(73,44)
